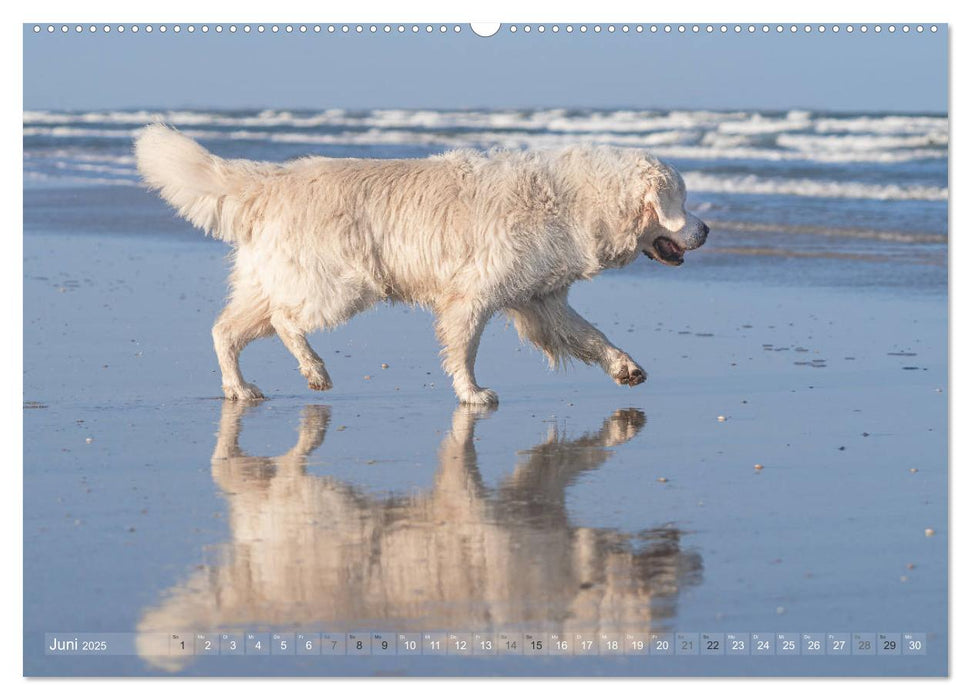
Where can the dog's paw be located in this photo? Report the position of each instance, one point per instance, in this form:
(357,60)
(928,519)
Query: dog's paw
(628,372)
(318,379)
(479,397)
(243,392)
(623,425)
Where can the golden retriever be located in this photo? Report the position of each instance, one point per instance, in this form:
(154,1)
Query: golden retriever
(465,234)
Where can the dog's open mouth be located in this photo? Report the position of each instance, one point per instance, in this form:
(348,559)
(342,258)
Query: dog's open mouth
(666,251)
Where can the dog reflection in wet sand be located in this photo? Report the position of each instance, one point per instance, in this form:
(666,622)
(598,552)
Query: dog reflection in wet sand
(310,553)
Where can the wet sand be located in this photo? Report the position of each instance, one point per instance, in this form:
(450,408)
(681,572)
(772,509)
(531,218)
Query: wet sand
(150,504)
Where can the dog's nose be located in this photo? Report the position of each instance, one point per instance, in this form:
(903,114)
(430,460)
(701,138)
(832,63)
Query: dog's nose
(704,229)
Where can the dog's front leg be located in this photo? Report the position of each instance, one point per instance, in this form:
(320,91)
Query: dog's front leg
(553,325)
(459,329)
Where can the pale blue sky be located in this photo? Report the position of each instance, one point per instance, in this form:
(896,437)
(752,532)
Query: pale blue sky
(858,72)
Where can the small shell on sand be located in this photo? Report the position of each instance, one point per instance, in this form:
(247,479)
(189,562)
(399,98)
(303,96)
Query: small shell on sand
(929,532)
(913,470)
(759,467)
(367,377)
(89,440)
(722,419)
(663,479)
(385,365)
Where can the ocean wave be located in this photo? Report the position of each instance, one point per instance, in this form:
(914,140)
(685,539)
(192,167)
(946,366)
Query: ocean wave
(666,144)
(861,143)
(882,125)
(266,118)
(40,176)
(777,156)
(547,120)
(752,184)
(93,168)
(620,121)
(81,155)
(759,124)
(98,143)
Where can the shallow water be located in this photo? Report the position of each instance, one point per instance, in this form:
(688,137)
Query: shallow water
(150,504)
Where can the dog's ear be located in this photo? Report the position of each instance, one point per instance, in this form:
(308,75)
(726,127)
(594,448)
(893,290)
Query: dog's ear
(665,194)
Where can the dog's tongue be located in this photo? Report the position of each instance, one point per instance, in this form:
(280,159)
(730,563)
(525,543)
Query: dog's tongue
(669,250)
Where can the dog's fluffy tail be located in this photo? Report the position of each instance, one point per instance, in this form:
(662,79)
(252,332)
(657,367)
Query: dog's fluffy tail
(207,191)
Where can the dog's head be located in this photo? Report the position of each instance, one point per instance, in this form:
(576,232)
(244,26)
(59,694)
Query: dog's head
(666,230)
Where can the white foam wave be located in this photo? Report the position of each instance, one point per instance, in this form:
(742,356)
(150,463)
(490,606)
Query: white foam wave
(752,184)
(620,121)
(765,154)
(75,154)
(94,168)
(670,144)
(550,119)
(797,136)
(759,124)
(882,125)
(267,118)
(38,176)
(854,143)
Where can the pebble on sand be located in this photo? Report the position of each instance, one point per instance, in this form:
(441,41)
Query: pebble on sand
(385,365)
(759,467)
(367,376)
(663,479)
(780,610)
(89,440)
(722,419)
(913,470)
(929,532)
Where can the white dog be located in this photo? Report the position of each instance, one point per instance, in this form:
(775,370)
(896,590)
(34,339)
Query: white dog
(464,234)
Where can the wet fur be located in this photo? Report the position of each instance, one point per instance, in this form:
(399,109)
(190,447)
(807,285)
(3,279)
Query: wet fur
(465,234)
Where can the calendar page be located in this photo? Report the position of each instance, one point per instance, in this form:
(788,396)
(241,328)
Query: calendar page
(495,349)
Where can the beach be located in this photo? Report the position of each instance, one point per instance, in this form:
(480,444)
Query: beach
(782,470)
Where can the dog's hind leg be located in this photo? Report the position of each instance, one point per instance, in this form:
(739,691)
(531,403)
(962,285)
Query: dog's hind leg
(311,366)
(237,326)
(459,329)
(553,325)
